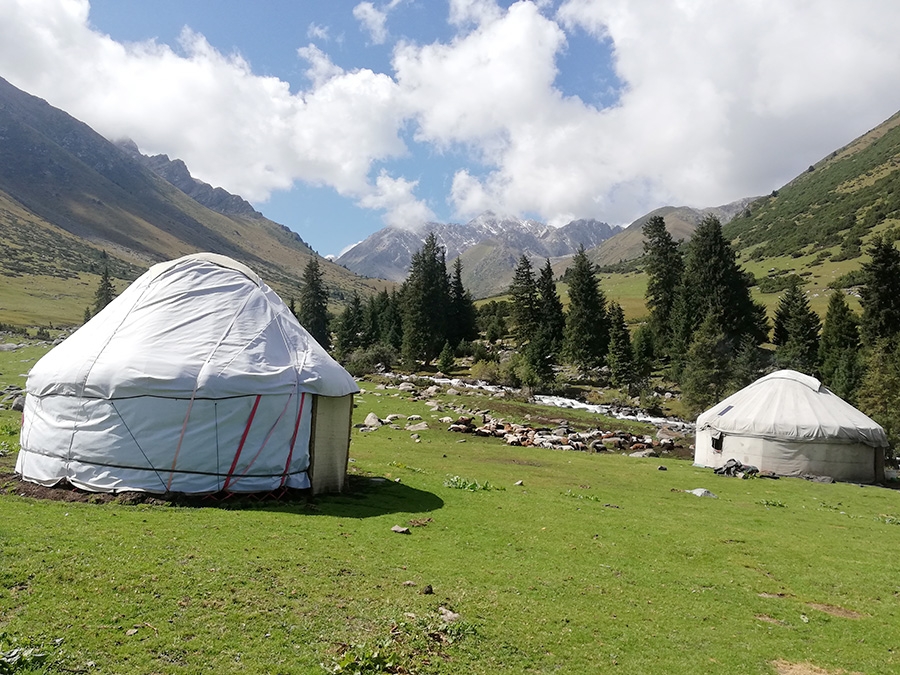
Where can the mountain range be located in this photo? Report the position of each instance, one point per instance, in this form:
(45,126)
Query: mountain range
(70,198)
(488,246)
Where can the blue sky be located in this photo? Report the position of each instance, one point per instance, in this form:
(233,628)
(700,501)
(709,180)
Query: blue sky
(338,118)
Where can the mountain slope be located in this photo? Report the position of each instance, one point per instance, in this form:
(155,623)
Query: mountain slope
(489,247)
(66,194)
(855,188)
(681,221)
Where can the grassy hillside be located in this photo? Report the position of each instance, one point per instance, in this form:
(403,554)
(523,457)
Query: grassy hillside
(67,195)
(596,563)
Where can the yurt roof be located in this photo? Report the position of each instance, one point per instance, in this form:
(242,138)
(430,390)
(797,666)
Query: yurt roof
(788,405)
(201,326)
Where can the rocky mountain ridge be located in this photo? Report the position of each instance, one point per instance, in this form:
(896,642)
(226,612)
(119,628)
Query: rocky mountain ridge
(489,246)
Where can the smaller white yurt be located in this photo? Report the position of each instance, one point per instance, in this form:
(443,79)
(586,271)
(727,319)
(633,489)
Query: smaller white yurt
(197,379)
(789,424)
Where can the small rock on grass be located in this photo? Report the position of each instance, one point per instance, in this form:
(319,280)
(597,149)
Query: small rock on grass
(662,468)
(427,590)
(519,482)
(447,615)
(399,529)
(701,492)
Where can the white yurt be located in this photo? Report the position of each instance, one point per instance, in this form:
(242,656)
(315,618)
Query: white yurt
(197,379)
(790,424)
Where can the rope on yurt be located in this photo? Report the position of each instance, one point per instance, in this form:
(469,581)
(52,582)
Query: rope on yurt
(290,456)
(237,455)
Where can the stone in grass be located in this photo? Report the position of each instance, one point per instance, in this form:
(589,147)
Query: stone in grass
(662,468)
(409,583)
(399,529)
(447,615)
(427,590)
(372,420)
(701,492)
(519,482)
(421,426)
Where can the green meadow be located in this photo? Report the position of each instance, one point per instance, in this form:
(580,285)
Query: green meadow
(595,563)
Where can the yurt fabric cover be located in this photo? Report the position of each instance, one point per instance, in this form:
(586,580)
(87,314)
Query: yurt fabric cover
(790,424)
(197,379)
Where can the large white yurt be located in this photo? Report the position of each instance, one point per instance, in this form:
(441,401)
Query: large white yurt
(197,379)
(790,424)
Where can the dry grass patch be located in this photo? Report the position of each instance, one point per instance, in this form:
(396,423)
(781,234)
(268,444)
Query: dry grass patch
(836,611)
(785,668)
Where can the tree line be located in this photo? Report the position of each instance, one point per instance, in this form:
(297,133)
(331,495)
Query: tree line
(703,331)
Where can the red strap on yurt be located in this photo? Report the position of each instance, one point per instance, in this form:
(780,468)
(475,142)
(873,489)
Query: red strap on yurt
(287,464)
(237,455)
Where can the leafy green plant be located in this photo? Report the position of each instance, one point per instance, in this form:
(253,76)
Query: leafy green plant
(362,659)
(19,658)
(460,483)
(771,502)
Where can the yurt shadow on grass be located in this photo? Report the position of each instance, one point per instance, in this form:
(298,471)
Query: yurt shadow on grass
(789,424)
(196,380)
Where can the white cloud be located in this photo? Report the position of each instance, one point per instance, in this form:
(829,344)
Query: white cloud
(317,32)
(373,20)
(720,101)
(395,197)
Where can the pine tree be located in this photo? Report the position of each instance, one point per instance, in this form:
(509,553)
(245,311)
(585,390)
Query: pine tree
(620,358)
(313,312)
(879,392)
(713,284)
(461,324)
(664,266)
(350,327)
(642,344)
(105,291)
(796,332)
(749,364)
(390,320)
(523,302)
(880,292)
(840,337)
(707,366)
(426,300)
(87,315)
(447,359)
(586,337)
(550,315)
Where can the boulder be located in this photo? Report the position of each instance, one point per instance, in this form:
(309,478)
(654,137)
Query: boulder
(372,421)
(421,426)
(406,386)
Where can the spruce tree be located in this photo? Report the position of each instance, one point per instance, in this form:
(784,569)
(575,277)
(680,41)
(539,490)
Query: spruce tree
(707,367)
(523,302)
(796,332)
(426,301)
(586,337)
(350,327)
(313,311)
(550,315)
(663,266)
(713,284)
(839,342)
(390,320)
(461,324)
(880,292)
(620,358)
(105,291)
(879,392)
(447,359)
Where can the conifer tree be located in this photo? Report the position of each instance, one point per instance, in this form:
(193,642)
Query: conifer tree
(372,321)
(87,315)
(839,346)
(447,359)
(642,346)
(461,324)
(796,332)
(879,392)
(523,302)
(390,320)
(586,337)
(426,299)
(620,358)
(663,265)
(749,364)
(707,366)
(313,311)
(713,284)
(350,327)
(105,291)
(550,315)
(880,292)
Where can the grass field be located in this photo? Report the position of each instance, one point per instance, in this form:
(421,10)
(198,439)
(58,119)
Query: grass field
(596,563)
